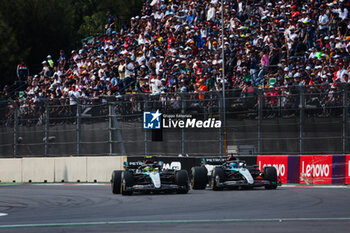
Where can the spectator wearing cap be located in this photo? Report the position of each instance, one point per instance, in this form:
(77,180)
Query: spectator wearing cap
(201,89)
(341,72)
(50,61)
(46,71)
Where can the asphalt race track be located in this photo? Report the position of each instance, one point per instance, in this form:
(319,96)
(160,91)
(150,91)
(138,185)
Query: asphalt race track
(93,208)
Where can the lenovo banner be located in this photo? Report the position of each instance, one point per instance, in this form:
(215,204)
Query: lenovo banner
(347,169)
(316,169)
(280,162)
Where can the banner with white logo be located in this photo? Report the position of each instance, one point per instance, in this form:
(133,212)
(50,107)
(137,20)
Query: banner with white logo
(316,169)
(280,162)
(347,169)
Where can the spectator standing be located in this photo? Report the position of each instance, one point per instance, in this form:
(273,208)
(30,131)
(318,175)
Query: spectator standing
(110,23)
(22,71)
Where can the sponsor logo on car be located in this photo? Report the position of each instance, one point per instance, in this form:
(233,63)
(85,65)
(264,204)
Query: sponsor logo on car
(172,165)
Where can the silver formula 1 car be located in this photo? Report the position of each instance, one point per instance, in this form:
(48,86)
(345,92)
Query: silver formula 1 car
(222,173)
(147,177)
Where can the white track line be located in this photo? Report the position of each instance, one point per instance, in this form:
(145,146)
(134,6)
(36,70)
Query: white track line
(147,222)
(3,214)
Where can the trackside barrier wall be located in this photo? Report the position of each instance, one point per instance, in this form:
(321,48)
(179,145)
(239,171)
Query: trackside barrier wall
(10,170)
(304,169)
(347,177)
(294,169)
(67,169)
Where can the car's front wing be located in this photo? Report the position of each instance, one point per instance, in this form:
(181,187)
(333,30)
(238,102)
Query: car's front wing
(150,187)
(233,183)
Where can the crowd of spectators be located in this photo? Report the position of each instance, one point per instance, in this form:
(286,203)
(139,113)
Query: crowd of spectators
(175,46)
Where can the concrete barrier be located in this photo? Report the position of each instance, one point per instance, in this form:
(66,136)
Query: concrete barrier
(70,169)
(11,170)
(100,168)
(38,170)
(58,169)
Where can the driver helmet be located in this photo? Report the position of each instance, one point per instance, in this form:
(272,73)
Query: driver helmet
(148,160)
(233,165)
(231,158)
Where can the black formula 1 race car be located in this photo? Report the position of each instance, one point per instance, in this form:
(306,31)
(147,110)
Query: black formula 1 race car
(222,173)
(149,176)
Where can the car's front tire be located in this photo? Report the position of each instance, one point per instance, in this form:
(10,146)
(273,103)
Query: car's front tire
(127,183)
(199,177)
(270,174)
(181,178)
(116,181)
(218,176)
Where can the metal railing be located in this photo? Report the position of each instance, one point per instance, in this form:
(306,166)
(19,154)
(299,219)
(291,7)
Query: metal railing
(293,120)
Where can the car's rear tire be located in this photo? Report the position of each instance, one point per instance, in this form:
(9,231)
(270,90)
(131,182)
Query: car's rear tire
(116,181)
(218,175)
(181,178)
(270,174)
(127,183)
(199,177)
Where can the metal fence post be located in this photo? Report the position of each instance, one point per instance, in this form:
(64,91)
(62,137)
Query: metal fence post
(47,126)
(183,132)
(345,117)
(144,130)
(78,118)
(222,153)
(301,120)
(119,133)
(110,131)
(15,130)
(260,118)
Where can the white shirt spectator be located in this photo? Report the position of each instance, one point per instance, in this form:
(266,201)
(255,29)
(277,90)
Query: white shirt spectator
(73,94)
(340,74)
(211,14)
(312,55)
(343,14)
(240,7)
(155,85)
(323,19)
(158,66)
(129,70)
(101,72)
(158,15)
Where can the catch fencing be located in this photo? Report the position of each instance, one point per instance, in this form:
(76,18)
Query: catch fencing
(292,120)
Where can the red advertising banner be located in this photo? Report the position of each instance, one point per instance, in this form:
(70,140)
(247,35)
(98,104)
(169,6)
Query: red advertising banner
(347,169)
(280,162)
(316,169)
